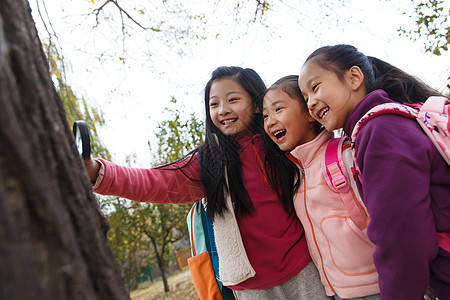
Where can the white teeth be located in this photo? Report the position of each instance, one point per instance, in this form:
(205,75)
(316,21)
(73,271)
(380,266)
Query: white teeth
(323,112)
(225,122)
(278,133)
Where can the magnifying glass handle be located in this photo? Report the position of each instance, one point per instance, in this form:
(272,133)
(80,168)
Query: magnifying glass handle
(81,134)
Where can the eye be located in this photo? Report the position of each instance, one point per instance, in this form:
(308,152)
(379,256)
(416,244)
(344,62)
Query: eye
(265,116)
(277,109)
(212,104)
(314,87)
(233,99)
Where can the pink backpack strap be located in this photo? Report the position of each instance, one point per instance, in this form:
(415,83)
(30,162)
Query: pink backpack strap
(338,180)
(444,241)
(381,109)
(433,117)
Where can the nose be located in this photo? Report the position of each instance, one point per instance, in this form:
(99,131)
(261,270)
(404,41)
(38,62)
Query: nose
(224,109)
(311,103)
(270,120)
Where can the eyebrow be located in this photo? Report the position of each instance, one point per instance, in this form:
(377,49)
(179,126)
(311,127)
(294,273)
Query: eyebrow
(308,82)
(227,94)
(275,102)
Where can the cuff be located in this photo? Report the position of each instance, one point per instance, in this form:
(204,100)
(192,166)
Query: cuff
(101,174)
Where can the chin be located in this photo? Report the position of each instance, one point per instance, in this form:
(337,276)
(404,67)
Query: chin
(330,128)
(285,149)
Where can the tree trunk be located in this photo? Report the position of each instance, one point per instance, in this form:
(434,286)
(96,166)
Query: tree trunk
(161,264)
(52,235)
(162,267)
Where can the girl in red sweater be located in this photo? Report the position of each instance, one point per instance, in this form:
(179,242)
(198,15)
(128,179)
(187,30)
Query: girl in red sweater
(231,169)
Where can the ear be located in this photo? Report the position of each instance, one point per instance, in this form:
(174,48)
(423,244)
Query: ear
(256,109)
(356,78)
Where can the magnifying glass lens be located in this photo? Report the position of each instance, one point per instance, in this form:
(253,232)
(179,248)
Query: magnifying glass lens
(82,140)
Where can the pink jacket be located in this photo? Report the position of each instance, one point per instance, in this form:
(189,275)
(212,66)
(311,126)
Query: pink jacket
(273,239)
(342,253)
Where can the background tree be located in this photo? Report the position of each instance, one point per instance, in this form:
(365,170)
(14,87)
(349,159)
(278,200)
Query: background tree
(165,224)
(52,235)
(143,233)
(177,24)
(130,250)
(76,108)
(432,18)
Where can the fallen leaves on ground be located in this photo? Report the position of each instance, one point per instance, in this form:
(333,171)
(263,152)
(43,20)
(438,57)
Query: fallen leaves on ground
(181,287)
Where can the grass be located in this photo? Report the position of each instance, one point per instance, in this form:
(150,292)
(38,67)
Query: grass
(181,287)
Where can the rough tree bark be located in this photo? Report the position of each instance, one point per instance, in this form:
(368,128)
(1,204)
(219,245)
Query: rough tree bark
(52,236)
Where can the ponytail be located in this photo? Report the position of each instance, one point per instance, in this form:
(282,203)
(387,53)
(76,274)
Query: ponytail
(400,86)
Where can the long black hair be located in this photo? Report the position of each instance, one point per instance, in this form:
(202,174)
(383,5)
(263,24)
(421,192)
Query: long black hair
(378,74)
(220,152)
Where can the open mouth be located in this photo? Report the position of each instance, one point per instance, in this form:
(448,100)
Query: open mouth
(279,134)
(229,121)
(323,112)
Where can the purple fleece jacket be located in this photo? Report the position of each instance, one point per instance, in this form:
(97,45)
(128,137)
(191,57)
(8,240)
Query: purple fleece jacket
(406,188)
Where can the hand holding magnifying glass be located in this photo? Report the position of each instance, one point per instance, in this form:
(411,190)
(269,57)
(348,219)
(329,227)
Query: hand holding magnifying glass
(82,140)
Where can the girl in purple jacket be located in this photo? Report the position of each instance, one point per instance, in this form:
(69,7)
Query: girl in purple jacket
(405,182)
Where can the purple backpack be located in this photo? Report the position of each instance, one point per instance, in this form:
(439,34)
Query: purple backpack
(433,117)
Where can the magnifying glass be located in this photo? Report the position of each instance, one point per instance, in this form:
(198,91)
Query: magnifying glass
(82,140)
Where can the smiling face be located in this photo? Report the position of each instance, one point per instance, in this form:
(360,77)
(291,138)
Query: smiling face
(330,99)
(230,107)
(285,121)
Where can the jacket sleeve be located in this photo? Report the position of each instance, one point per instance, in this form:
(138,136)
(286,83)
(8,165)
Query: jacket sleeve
(157,185)
(394,157)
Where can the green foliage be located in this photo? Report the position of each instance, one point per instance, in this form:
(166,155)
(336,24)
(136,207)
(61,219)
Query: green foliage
(130,250)
(432,20)
(176,136)
(144,234)
(165,224)
(76,108)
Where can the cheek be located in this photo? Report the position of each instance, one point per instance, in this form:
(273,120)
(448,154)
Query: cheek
(311,113)
(213,117)
(266,129)
(212,114)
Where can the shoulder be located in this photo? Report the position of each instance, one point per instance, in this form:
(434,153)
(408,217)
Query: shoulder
(392,125)
(394,135)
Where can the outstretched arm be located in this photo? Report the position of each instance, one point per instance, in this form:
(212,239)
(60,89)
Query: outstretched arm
(179,182)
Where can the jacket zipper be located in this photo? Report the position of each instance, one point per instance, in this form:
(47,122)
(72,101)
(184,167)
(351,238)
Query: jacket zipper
(312,228)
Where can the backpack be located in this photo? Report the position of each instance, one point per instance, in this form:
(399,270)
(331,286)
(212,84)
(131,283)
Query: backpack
(201,235)
(336,170)
(433,118)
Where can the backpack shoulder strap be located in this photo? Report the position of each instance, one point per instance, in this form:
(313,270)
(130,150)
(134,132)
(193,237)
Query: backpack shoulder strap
(381,109)
(212,242)
(334,173)
(198,235)
(338,180)
(433,117)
